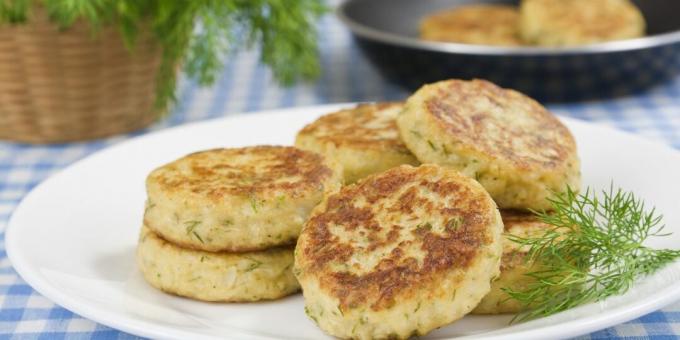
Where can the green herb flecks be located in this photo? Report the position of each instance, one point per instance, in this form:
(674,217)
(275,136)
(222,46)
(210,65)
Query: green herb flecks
(416,133)
(477,176)
(253,265)
(425,226)
(191,225)
(454,223)
(280,201)
(432,146)
(594,250)
(405,151)
(445,150)
(197,236)
(255,203)
(310,315)
(227,225)
(149,206)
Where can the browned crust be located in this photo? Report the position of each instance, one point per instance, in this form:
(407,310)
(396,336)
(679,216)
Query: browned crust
(512,259)
(541,141)
(357,128)
(595,20)
(397,274)
(513,218)
(474,24)
(168,243)
(254,301)
(213,174)
(281,295)
(225,249)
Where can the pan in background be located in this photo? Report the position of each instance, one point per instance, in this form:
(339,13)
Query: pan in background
(387,33)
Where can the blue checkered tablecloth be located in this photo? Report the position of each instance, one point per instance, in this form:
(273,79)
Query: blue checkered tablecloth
(247,86)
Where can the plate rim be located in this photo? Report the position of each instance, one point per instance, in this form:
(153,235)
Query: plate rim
(33,278)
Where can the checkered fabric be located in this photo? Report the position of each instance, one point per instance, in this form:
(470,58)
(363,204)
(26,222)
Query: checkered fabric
(246,86)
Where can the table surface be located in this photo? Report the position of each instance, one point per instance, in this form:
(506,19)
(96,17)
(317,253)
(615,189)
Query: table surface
(246,86)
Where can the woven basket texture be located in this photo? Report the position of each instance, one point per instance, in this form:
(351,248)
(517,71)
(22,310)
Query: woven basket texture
(59,85)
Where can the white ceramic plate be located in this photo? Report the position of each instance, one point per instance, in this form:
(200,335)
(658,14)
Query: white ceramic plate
(73,237)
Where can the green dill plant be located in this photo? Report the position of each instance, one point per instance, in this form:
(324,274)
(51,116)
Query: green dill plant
(197,34)
(594,250)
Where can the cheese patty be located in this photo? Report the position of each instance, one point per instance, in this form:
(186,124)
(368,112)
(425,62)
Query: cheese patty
(207,276)
(579,22)
(364,140)
(474,24)
(239,199)
(399,253)
(512,145)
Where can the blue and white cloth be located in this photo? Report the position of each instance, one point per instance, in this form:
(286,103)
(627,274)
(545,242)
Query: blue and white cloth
(246,86)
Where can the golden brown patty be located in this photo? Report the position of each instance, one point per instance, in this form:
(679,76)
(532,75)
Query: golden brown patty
(578,22)
(364,139)
(508,142)
(474,24)
(513,263)
(239,199)
(207,276)
(399,253)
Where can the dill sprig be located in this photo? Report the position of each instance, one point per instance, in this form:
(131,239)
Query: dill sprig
(198,34)
(594,250)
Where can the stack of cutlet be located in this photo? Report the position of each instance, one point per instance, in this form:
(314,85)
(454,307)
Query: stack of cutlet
(221,225)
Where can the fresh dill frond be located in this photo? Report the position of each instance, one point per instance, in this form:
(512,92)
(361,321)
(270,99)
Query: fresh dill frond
(594,250)
(199,35)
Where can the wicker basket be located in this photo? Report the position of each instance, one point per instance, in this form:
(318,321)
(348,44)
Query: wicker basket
(66,85)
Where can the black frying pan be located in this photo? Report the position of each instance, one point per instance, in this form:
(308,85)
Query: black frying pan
(387,32)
